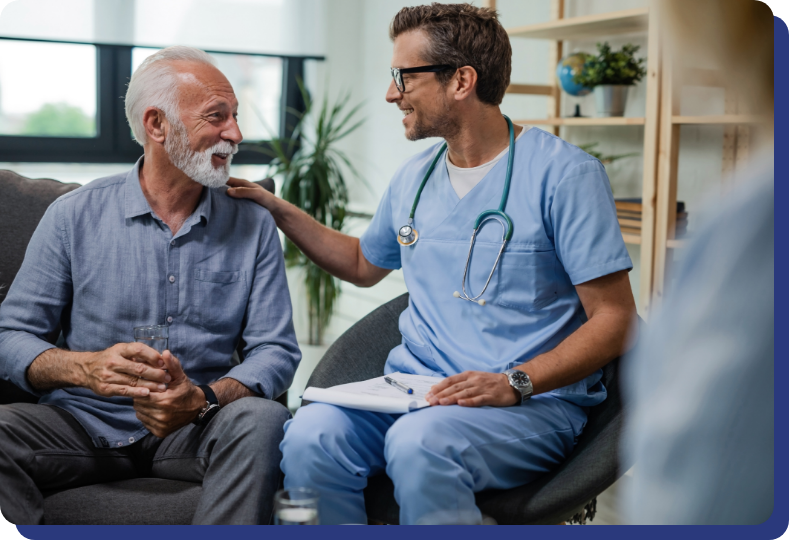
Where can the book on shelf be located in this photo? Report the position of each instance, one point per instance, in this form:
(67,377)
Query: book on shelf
(635,205)
(628,212)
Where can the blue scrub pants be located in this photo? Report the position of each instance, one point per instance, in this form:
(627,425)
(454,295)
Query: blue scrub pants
(437,457)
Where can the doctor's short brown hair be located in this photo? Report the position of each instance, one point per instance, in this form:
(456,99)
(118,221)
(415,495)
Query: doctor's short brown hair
(462,35)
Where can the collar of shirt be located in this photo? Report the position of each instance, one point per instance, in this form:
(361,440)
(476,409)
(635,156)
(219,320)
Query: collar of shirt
(137,205)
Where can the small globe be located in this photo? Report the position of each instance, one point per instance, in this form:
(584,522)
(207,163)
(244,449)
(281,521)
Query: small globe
(568,67)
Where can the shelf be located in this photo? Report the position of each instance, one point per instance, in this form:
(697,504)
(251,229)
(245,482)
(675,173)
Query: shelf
(630,21)
(532,89)
(612,121)
(723,119)
(631,238)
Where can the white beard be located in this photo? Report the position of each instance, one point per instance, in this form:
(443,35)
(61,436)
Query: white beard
(197,165)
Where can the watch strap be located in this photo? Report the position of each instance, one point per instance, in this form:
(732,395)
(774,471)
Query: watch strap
(211,406)
(210,396)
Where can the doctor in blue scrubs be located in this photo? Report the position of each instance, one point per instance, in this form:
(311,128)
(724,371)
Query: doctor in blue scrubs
(522,356)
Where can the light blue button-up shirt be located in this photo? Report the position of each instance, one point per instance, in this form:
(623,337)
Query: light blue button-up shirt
(101,263)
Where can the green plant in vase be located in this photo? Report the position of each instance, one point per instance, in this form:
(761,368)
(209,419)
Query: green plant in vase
(312,170)
(610,73)
(604,159)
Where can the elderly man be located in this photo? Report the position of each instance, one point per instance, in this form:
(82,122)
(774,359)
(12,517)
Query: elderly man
(160,244)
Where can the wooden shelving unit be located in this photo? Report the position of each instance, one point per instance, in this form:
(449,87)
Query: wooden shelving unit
(737,133)
(724,119)
(632,21)
(613,121)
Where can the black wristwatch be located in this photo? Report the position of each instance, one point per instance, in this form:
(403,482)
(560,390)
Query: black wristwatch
(211,406)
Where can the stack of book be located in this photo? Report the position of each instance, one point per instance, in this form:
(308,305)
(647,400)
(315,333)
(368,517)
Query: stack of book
(628,211)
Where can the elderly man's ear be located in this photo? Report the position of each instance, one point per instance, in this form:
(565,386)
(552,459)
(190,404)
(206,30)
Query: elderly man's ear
(155,124)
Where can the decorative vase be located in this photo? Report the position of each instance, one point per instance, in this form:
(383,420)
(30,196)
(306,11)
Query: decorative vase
(610,99)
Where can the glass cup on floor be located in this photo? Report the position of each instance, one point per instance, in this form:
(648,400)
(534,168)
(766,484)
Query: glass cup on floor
(155,337)
(298,506)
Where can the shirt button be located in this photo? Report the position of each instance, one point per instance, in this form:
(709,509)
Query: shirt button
(172,242)
(131,440)
(172,279)
(169,319)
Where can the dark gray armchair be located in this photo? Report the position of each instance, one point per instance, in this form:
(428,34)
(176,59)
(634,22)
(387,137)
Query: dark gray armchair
(140,501)
(568,493)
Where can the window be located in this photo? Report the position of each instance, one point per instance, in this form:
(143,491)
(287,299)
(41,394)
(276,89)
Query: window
(31,105)
(63,102)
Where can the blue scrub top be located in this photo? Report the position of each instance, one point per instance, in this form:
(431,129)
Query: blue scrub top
(565,232)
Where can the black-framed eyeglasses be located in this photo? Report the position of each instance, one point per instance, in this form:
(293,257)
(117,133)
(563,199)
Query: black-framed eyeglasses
(397,73)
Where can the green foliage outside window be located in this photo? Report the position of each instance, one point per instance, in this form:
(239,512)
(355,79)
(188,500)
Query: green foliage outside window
(61,120)
(612,67)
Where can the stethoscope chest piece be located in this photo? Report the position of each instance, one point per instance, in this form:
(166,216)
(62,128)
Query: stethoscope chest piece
(407,235)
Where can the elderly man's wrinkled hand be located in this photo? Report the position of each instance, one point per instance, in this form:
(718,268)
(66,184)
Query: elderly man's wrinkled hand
(164,412)
(474,389)
(126,369)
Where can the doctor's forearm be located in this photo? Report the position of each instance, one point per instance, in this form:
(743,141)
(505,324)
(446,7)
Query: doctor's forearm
(335,252)
(591,347)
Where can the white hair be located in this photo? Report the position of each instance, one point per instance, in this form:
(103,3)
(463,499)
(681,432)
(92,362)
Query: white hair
(154,84)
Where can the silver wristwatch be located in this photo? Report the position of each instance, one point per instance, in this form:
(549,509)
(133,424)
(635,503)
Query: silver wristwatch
(520,382)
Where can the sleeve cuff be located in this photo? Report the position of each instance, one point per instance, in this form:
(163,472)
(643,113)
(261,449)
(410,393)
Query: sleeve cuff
(22,351)
(593,272)
(269,377)
(377,261)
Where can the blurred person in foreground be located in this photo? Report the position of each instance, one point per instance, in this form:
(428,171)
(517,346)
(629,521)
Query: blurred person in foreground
(700,383)
(160,244)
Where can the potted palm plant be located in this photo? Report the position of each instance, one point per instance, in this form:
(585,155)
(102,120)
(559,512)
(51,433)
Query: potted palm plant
(611,74)
(314,172)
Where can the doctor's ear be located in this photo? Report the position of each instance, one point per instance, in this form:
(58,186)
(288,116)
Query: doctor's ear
(155,124)
(464,83)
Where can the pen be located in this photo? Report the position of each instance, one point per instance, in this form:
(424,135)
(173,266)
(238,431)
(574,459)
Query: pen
(398,385)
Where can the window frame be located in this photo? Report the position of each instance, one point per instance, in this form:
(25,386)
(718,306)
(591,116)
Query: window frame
(113,142)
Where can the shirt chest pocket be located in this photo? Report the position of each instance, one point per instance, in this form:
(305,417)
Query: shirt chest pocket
(527,280)
(220,300)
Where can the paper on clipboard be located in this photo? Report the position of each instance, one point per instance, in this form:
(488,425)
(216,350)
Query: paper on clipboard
(376,394)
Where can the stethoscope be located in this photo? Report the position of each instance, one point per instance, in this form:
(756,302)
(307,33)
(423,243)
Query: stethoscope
(408,235)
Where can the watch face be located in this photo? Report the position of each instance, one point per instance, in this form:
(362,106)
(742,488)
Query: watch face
(520,378)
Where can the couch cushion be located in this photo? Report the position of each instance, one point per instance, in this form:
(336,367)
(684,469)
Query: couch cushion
(140,501)
(22,205)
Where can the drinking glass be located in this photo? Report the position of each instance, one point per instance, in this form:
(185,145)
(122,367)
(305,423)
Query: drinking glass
(154,336)
(297,506)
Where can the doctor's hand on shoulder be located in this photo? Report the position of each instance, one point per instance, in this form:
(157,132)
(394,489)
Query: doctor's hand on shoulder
(244,189)
(474,389)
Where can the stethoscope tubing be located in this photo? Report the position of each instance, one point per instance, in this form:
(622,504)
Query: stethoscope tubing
(484,216)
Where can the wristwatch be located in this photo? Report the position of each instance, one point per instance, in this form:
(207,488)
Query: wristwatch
(520,382)
(211,406)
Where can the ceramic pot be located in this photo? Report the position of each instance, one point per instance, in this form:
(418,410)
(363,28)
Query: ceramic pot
(610,99)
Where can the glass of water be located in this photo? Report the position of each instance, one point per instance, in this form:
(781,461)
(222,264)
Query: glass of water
(154,336)
(297,506)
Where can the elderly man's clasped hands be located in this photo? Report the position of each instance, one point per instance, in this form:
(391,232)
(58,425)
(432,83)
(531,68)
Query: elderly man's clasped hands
(164,397)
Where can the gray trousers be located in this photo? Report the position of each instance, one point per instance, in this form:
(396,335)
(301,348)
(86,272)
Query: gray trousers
(236,457)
